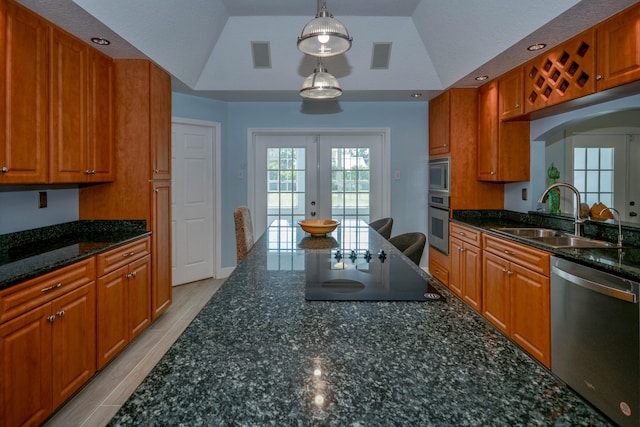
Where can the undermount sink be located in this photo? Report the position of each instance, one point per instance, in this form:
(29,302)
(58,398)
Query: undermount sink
(531,232)
(554,238)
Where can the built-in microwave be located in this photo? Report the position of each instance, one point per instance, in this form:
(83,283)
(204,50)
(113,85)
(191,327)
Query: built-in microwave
(439,175)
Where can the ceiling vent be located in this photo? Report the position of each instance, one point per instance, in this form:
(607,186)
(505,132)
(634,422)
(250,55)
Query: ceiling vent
(380,56)
(261,54)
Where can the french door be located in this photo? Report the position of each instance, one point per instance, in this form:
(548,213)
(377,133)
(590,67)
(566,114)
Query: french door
(335,175)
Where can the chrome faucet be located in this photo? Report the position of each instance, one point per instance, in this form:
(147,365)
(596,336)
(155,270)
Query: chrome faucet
(614,210)
(578,220)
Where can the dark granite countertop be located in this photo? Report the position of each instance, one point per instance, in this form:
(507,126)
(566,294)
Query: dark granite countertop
(259,354)
(28,254)
(624,262)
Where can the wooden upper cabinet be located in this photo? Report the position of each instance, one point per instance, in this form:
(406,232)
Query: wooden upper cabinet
(503,146)
(618,50)
(160,123)
(439,123)
(564,73)
(511,94)
(100,149)
(24,93)
(81,112)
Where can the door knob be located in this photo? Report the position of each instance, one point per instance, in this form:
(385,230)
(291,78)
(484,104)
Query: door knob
(313,213)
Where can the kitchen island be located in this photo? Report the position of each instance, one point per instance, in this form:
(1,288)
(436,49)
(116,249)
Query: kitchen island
(259,353)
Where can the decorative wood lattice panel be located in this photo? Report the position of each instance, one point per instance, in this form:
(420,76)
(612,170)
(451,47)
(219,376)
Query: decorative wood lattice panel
(565,72)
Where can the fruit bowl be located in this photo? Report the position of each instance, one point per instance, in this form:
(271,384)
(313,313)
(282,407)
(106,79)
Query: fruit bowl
(318,227)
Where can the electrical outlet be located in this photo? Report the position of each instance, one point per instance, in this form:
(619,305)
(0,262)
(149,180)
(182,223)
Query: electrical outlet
(524,194)
(42,202)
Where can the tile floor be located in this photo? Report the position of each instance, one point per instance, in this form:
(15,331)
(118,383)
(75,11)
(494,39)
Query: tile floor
(100,399)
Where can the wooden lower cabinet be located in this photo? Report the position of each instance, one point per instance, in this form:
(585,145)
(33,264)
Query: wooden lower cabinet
(439,266)
(124,297)
(161,288)
(516,297)
(465,270)
(48,352)
(465,276)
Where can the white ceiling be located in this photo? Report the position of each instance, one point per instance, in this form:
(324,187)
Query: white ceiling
(436,44)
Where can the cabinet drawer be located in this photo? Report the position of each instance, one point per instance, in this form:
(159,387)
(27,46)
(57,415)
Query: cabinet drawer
(35,292)
(466,234)
(533,259)
(123,255)
(439,272)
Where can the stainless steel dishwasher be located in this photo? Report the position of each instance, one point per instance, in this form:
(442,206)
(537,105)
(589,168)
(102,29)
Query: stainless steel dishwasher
(595,338)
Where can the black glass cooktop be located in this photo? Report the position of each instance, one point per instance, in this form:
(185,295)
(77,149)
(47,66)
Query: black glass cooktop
(338,273)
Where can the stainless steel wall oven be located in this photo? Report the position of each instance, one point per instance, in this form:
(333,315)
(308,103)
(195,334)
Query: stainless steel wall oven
(439,221)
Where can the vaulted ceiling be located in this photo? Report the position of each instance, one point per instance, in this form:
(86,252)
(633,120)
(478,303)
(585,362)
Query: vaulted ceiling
(435,44)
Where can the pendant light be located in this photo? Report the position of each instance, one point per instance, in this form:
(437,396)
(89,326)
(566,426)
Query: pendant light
(324,36)
(320,85)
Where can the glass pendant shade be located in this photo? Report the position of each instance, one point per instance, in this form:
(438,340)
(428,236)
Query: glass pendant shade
(320,85)
(324,36)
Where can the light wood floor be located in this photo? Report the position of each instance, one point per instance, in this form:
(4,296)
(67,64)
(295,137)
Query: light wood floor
(101,398)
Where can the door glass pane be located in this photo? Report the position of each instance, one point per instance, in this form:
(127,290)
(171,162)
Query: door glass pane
(593,174)
(350,174)
(285,185)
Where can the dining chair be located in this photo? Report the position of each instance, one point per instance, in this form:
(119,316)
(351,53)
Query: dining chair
(410,244)
(244,232)
(382,226)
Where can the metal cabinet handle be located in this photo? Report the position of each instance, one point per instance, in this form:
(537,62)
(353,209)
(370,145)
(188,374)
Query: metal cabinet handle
(509,253)
(51,318)
(461,233)
(4,169)
(128,254)
(156,170)
(134,274)
(517,106)
(60,313)
(493,173)
(50,288)
(599,77)
(509,273)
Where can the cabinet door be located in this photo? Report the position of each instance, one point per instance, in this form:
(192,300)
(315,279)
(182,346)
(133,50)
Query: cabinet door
(495,291)
(25,360)
(530,313)
(618,46)
(472,276)
(139,295)
(112,309)
(160,123)
(161,247)
(488,132)
(24,141)
(100,150)
(511,94)
(74,341)
(456,267)
(439,120)
(68,64)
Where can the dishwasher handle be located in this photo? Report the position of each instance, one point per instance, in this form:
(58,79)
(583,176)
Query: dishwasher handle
(594,286)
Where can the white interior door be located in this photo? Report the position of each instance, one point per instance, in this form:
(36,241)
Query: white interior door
(320,175)
(192,202)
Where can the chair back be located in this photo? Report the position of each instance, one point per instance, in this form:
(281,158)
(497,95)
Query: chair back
(410,244)
(244,232)
(383,226)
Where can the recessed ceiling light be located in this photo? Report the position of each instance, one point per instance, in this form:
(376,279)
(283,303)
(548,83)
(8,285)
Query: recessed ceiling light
(101,41)
(416,95)
(482,78)
(537,46)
